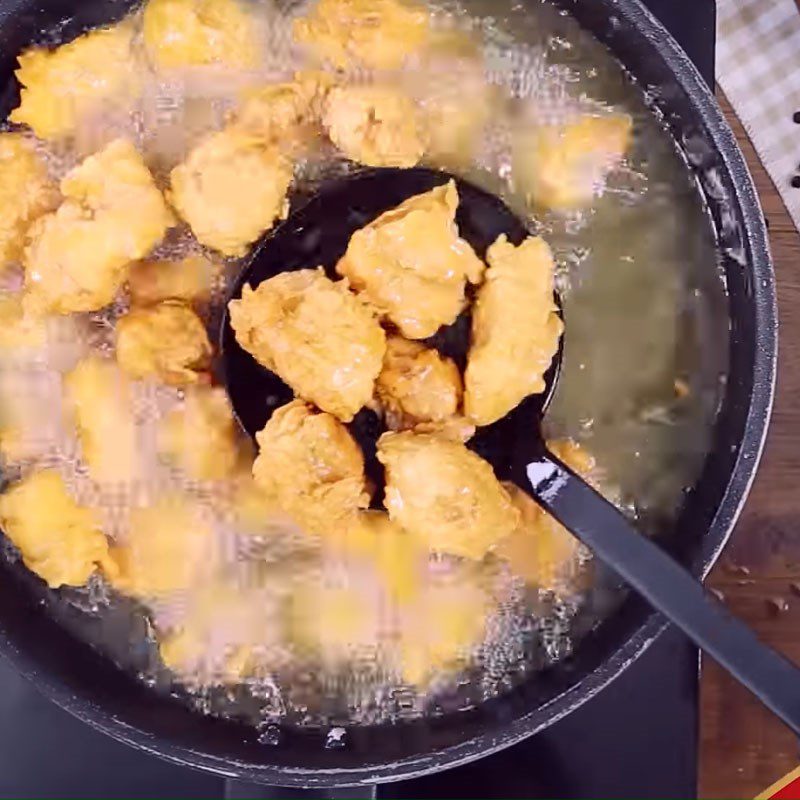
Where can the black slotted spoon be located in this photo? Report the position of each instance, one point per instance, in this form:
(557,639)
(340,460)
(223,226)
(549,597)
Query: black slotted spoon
(317,234)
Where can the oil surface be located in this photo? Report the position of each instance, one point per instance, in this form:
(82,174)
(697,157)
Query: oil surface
(642,377)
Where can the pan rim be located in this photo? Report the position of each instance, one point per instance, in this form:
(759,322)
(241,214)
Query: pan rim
(738,486)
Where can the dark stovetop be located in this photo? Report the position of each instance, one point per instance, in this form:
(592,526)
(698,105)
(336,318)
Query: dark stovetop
(636,739)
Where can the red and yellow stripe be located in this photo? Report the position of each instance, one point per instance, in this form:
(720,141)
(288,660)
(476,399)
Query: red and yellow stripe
(787,788)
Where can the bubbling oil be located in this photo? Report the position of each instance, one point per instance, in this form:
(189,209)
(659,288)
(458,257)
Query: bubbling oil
(641,381)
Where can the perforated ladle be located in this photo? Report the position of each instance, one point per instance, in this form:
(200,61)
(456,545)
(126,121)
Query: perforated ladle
(317,234)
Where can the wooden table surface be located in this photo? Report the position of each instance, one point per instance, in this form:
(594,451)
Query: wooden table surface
(744,748)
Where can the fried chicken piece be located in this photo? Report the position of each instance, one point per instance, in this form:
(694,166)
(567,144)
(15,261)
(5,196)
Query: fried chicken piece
(18,330)
(189,280)
(379,34)
(29,341)
(315,335)
(564,166)
(19,429)
(29,430)
(26,192)
(311,466)
(170,548)
(191,33)
(452,69)
(344,609)
(438,490)
(231,189)
(167,342)
(418,386)
(411,264)
(230,631)
(99,395)
(399,559)
(59,540)
(441,629)
(539,549)
(457,428)
(399,615)
(375,125)
(378,599)
(112,214)
(61,87)
(455,127)
(285,115)
(33,351)
(336,617)
(256,513)
(200,435)
(515,330)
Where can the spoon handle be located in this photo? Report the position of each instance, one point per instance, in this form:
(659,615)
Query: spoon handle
(668,587)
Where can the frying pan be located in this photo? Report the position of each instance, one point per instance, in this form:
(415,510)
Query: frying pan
(90,687)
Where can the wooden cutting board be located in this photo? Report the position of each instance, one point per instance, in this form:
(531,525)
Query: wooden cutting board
(743,747)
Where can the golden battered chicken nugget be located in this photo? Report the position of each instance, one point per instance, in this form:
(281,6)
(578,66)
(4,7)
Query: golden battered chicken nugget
(455,127)
(451,70)
(373,33)
(515,330)
(285,114)
(231,189)
(231,630)
(256,513)
(411,264)
(99,395)
(28,429)
(112,214)
(539,549)
(59,540)
(417,385)
(458,428)
(375,125)
(438,490)
(26,192)
(190,280)
(28,341)
(315,335)
(18,421)
(170,547)
(60,87)
(167,342)
(312,467)
(563,167)
(380,600)
(18,330)
(191,33)
(33,350)
(399,558)
(440,631)
(200,435)
(337,618)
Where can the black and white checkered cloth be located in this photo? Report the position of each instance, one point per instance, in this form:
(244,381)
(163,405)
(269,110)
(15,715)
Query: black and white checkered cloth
(758,68)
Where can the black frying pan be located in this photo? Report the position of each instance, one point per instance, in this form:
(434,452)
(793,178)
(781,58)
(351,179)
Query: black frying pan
(90,687)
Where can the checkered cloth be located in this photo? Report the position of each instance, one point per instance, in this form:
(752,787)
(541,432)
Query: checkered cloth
(758,68)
